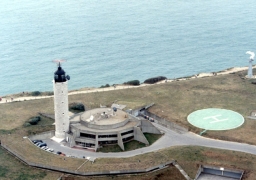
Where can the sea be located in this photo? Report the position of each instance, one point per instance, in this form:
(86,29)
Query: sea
(115,41)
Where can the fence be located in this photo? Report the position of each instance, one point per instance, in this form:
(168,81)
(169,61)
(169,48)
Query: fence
(165,123)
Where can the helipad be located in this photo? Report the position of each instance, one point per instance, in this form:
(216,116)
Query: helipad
(215,119)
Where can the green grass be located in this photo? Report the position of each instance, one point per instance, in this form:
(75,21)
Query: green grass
(3,171)
(152,137)
(131,145)
(11,168)
(170,173)
(45,124)
(128,146)
(190,157)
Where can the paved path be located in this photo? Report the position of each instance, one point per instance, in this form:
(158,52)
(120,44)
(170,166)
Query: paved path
(170,138)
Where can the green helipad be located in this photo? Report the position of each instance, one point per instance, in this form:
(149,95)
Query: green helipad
(215,119)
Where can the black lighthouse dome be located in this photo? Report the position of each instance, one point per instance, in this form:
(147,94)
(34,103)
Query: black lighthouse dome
(60,75)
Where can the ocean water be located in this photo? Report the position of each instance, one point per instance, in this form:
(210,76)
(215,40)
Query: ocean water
(114,41)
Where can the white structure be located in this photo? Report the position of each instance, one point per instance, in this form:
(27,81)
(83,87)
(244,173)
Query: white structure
(60,87)
(250,74)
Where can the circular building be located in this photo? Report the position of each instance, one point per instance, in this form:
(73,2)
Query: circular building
(106,126)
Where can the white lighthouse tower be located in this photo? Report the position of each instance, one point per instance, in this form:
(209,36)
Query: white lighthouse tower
(250,75)
(60,88)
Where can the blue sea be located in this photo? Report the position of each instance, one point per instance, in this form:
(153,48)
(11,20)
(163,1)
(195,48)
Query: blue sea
(114,41)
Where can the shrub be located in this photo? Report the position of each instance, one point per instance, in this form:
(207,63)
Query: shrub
(34,120)
(26,124)
(77,107)
(107,85)
(154,79)
(35,93)
(133,82)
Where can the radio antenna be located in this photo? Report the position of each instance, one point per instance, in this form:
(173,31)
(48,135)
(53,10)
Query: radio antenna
(59,61)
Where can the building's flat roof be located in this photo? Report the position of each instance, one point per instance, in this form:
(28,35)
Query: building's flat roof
(104,116)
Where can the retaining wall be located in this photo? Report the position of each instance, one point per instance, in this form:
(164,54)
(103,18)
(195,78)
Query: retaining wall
(130,171)
(234,174)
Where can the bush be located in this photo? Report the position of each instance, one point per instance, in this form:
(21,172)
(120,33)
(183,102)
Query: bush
(77,107)
(26,124)
(133,82)
(107,85)
(34,121)
(154,80)
(35,93)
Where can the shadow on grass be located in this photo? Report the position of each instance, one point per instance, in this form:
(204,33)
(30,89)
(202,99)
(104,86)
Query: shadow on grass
(131,145)
(45,124)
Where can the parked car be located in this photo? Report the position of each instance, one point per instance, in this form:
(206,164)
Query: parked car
(51,150)
(38,144)
(42,144)
(36,141)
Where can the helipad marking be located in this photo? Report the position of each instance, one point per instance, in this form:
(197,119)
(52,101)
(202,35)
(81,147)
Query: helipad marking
(216,119)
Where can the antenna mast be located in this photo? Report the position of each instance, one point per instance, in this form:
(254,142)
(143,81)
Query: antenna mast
(59,61)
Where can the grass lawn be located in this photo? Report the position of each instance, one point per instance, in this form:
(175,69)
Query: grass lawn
(170,173)
(12,169)
(131,145)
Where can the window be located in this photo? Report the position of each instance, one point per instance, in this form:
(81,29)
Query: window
(107,136)
(128,132)
(128,139)
(92,136)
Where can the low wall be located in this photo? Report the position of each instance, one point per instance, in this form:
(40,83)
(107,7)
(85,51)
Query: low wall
(165,123)
(104,127)
(236,174)
(130,171)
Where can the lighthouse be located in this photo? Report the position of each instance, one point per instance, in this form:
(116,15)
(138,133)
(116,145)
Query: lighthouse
(60,88)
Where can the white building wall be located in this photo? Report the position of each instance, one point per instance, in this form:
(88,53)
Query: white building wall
(61,108)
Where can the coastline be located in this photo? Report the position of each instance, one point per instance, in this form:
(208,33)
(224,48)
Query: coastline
(13,98)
